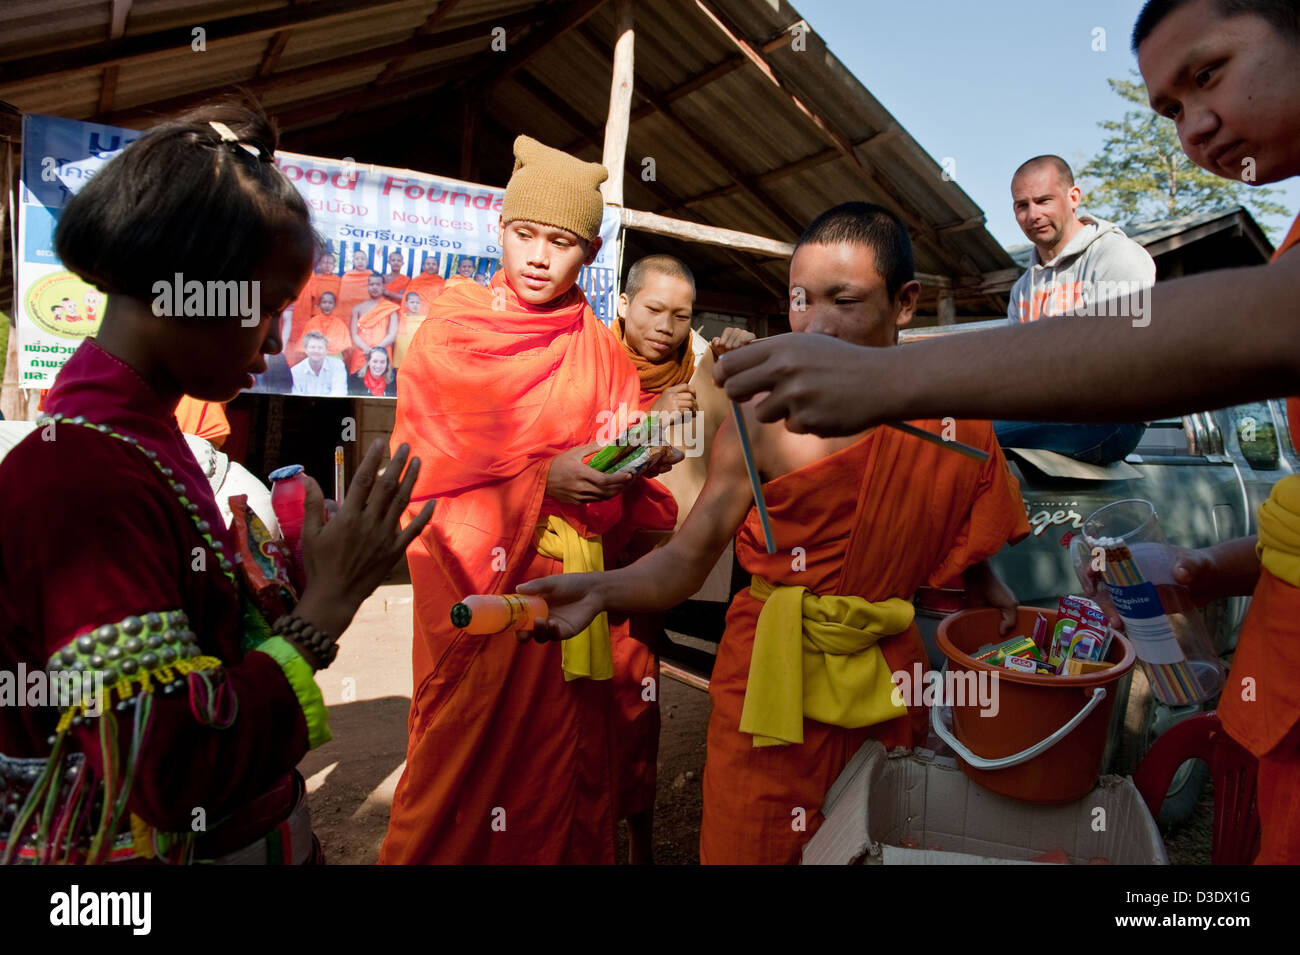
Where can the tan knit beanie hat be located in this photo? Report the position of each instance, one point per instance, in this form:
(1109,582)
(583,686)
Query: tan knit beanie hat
(553,188)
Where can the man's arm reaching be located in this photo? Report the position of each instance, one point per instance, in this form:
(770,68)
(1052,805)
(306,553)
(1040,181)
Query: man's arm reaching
(667,575)
(1206,341)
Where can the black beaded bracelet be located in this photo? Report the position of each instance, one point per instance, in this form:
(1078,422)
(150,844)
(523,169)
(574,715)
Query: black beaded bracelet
(303,635)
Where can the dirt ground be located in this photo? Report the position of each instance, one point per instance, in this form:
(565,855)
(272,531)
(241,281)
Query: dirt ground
(351,779)
(368,690)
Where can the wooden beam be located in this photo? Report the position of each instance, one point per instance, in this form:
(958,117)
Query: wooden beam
(129,49)
(947,309)
(783,39)
(992,282)
(564,20)
(117,18)
(699,81)
(588,134)
(304,112)
(765,202)
(614,154)
(306,75)
(733,302)
(468,123)
(708,234)
(823,126)
(789,169)
(975,222)
(427,28)
(116,27)
(778,288)
(272,55)
(107,89)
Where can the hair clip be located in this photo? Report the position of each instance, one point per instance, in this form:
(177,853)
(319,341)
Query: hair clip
(228,136)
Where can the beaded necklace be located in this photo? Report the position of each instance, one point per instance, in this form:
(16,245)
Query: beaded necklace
(179,489)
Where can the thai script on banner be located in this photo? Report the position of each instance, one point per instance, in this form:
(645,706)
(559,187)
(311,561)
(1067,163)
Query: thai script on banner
(396,224)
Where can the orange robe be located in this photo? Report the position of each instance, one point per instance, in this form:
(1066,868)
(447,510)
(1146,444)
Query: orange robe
(336,333)
(428,287)
(878,519)
(457,281)
(373,329)
(408,323)
(354,288)
(636,718)
(308,301)
(507,762)
(395,283)
(206,419)
(1267,720)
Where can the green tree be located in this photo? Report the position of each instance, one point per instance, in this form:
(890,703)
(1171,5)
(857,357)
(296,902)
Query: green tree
(1142,173)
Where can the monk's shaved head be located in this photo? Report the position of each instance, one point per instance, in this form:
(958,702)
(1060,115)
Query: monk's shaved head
(1282,15)
(1056,163)
(658,265)
(872,226)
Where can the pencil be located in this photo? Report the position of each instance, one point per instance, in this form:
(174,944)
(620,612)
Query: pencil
(338,475)
(754,482)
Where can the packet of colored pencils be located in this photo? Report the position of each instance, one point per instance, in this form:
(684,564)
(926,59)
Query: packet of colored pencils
(631,447)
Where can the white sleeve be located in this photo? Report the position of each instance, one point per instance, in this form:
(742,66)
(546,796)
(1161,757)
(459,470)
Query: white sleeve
(1125,261)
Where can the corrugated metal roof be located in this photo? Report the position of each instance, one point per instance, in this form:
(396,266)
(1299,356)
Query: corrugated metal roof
(746,131)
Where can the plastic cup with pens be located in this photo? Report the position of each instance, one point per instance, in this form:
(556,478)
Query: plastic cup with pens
(1124,544)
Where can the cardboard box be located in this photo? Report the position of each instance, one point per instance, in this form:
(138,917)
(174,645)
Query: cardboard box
(881,798)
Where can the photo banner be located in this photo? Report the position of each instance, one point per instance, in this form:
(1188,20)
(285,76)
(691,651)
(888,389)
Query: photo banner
(395,239)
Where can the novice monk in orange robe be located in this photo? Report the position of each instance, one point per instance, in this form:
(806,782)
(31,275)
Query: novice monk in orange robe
(1260,705)
(324,279)
(338,336)
(394,281)
(205,419)
(354,286)
(374,325)
(803,674)
(464,273)
(409,319)
(511,754)
(428,284)
(654,327)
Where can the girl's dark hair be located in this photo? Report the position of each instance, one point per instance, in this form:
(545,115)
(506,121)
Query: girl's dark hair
(182,200)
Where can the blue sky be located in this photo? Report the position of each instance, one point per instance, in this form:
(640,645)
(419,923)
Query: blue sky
(990,83)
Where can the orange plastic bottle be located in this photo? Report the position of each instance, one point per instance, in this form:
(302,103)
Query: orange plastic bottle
(497,613)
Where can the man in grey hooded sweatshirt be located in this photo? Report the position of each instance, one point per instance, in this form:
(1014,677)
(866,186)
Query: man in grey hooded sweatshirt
(1078,264)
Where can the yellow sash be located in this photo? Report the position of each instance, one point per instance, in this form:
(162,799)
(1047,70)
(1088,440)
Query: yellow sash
(1279,531)
(587,654)
(816,656)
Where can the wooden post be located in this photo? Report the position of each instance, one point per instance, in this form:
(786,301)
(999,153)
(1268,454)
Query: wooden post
(620,105)
(947,308)
(469,120)
(15,403)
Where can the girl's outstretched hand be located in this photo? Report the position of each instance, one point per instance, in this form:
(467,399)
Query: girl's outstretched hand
(347,558)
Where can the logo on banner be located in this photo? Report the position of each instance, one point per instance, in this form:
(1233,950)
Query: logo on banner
(65,305)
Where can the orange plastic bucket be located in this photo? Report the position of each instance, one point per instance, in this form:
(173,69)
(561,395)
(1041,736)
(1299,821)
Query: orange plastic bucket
(1046,740)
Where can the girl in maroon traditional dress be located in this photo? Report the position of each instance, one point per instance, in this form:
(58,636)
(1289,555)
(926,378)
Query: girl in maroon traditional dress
(194,693)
